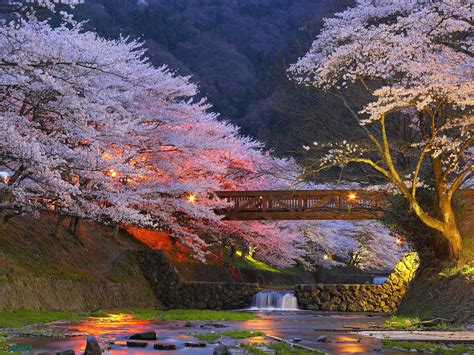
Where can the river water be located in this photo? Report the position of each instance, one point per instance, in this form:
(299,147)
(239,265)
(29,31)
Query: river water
(307,326)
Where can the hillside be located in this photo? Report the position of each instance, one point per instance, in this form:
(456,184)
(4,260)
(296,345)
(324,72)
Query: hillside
(238,51)
(95,270)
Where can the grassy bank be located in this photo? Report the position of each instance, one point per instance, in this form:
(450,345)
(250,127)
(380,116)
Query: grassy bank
(23,317)
(417,346)
(233,334)
(278,349)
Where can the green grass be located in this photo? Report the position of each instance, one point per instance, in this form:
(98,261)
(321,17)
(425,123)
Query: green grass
(278,348)
(284,349)
(424,346)
(234,334)
(401,322)
(21,317)
(180,314)
(405,322)
(249,263)
(252,349)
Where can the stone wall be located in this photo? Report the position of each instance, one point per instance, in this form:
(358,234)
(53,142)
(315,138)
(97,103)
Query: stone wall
(360,298)
(174,292)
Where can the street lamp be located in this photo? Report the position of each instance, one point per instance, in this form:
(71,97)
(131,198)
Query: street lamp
(352,196)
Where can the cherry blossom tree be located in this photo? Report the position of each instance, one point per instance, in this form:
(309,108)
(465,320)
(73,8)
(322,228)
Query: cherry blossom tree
(414,58)
(91,130)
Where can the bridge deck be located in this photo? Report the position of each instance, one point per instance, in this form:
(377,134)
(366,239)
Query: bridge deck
(303,204)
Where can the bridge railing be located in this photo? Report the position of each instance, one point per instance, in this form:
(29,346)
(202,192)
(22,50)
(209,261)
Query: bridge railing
(303,204)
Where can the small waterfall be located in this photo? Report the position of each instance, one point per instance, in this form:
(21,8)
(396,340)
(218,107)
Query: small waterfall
(271,300)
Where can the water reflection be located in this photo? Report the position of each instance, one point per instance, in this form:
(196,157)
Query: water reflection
(306,326)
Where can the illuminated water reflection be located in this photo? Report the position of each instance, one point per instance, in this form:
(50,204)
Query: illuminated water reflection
(306,326)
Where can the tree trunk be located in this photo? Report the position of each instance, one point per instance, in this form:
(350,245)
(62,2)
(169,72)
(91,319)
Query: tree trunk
(450,231)
(116,231)
(59,226)
(74,225)
(453,241)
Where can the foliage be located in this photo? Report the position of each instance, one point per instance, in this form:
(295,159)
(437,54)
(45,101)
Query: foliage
(234,334)
(114,139)
(425,346)
(413,59)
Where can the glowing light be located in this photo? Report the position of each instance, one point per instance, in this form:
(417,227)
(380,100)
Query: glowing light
(113,173)
(399,241)
(5,179)
(326,257)
(352,196)
(191,198)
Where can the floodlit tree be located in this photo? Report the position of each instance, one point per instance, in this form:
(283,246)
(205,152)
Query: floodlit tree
(415,59)
(90,129)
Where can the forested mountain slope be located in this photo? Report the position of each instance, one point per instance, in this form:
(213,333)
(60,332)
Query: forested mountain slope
(238,51)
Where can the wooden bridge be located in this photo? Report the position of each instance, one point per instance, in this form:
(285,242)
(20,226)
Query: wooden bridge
(303,205)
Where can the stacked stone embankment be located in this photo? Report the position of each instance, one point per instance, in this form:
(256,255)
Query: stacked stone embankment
(174,292)
(360,298)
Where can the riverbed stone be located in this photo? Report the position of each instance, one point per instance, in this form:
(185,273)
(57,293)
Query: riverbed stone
(92,346)
(221,350)
(164,346)
(137,344)
(190,344)
(150,335)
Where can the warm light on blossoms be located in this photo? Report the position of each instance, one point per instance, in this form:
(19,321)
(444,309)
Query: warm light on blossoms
(399,242)
(113,173)
(191,198)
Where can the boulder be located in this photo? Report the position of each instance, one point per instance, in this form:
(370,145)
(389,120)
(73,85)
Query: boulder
(164,347)
(189,324)
(137,344)
(151,335)
(221,350)
(92,346)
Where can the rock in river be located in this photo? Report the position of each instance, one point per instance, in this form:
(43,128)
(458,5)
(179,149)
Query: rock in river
(137,344)
(164,346)
(221,350)
(144,336)
(92,346)
(195,345)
